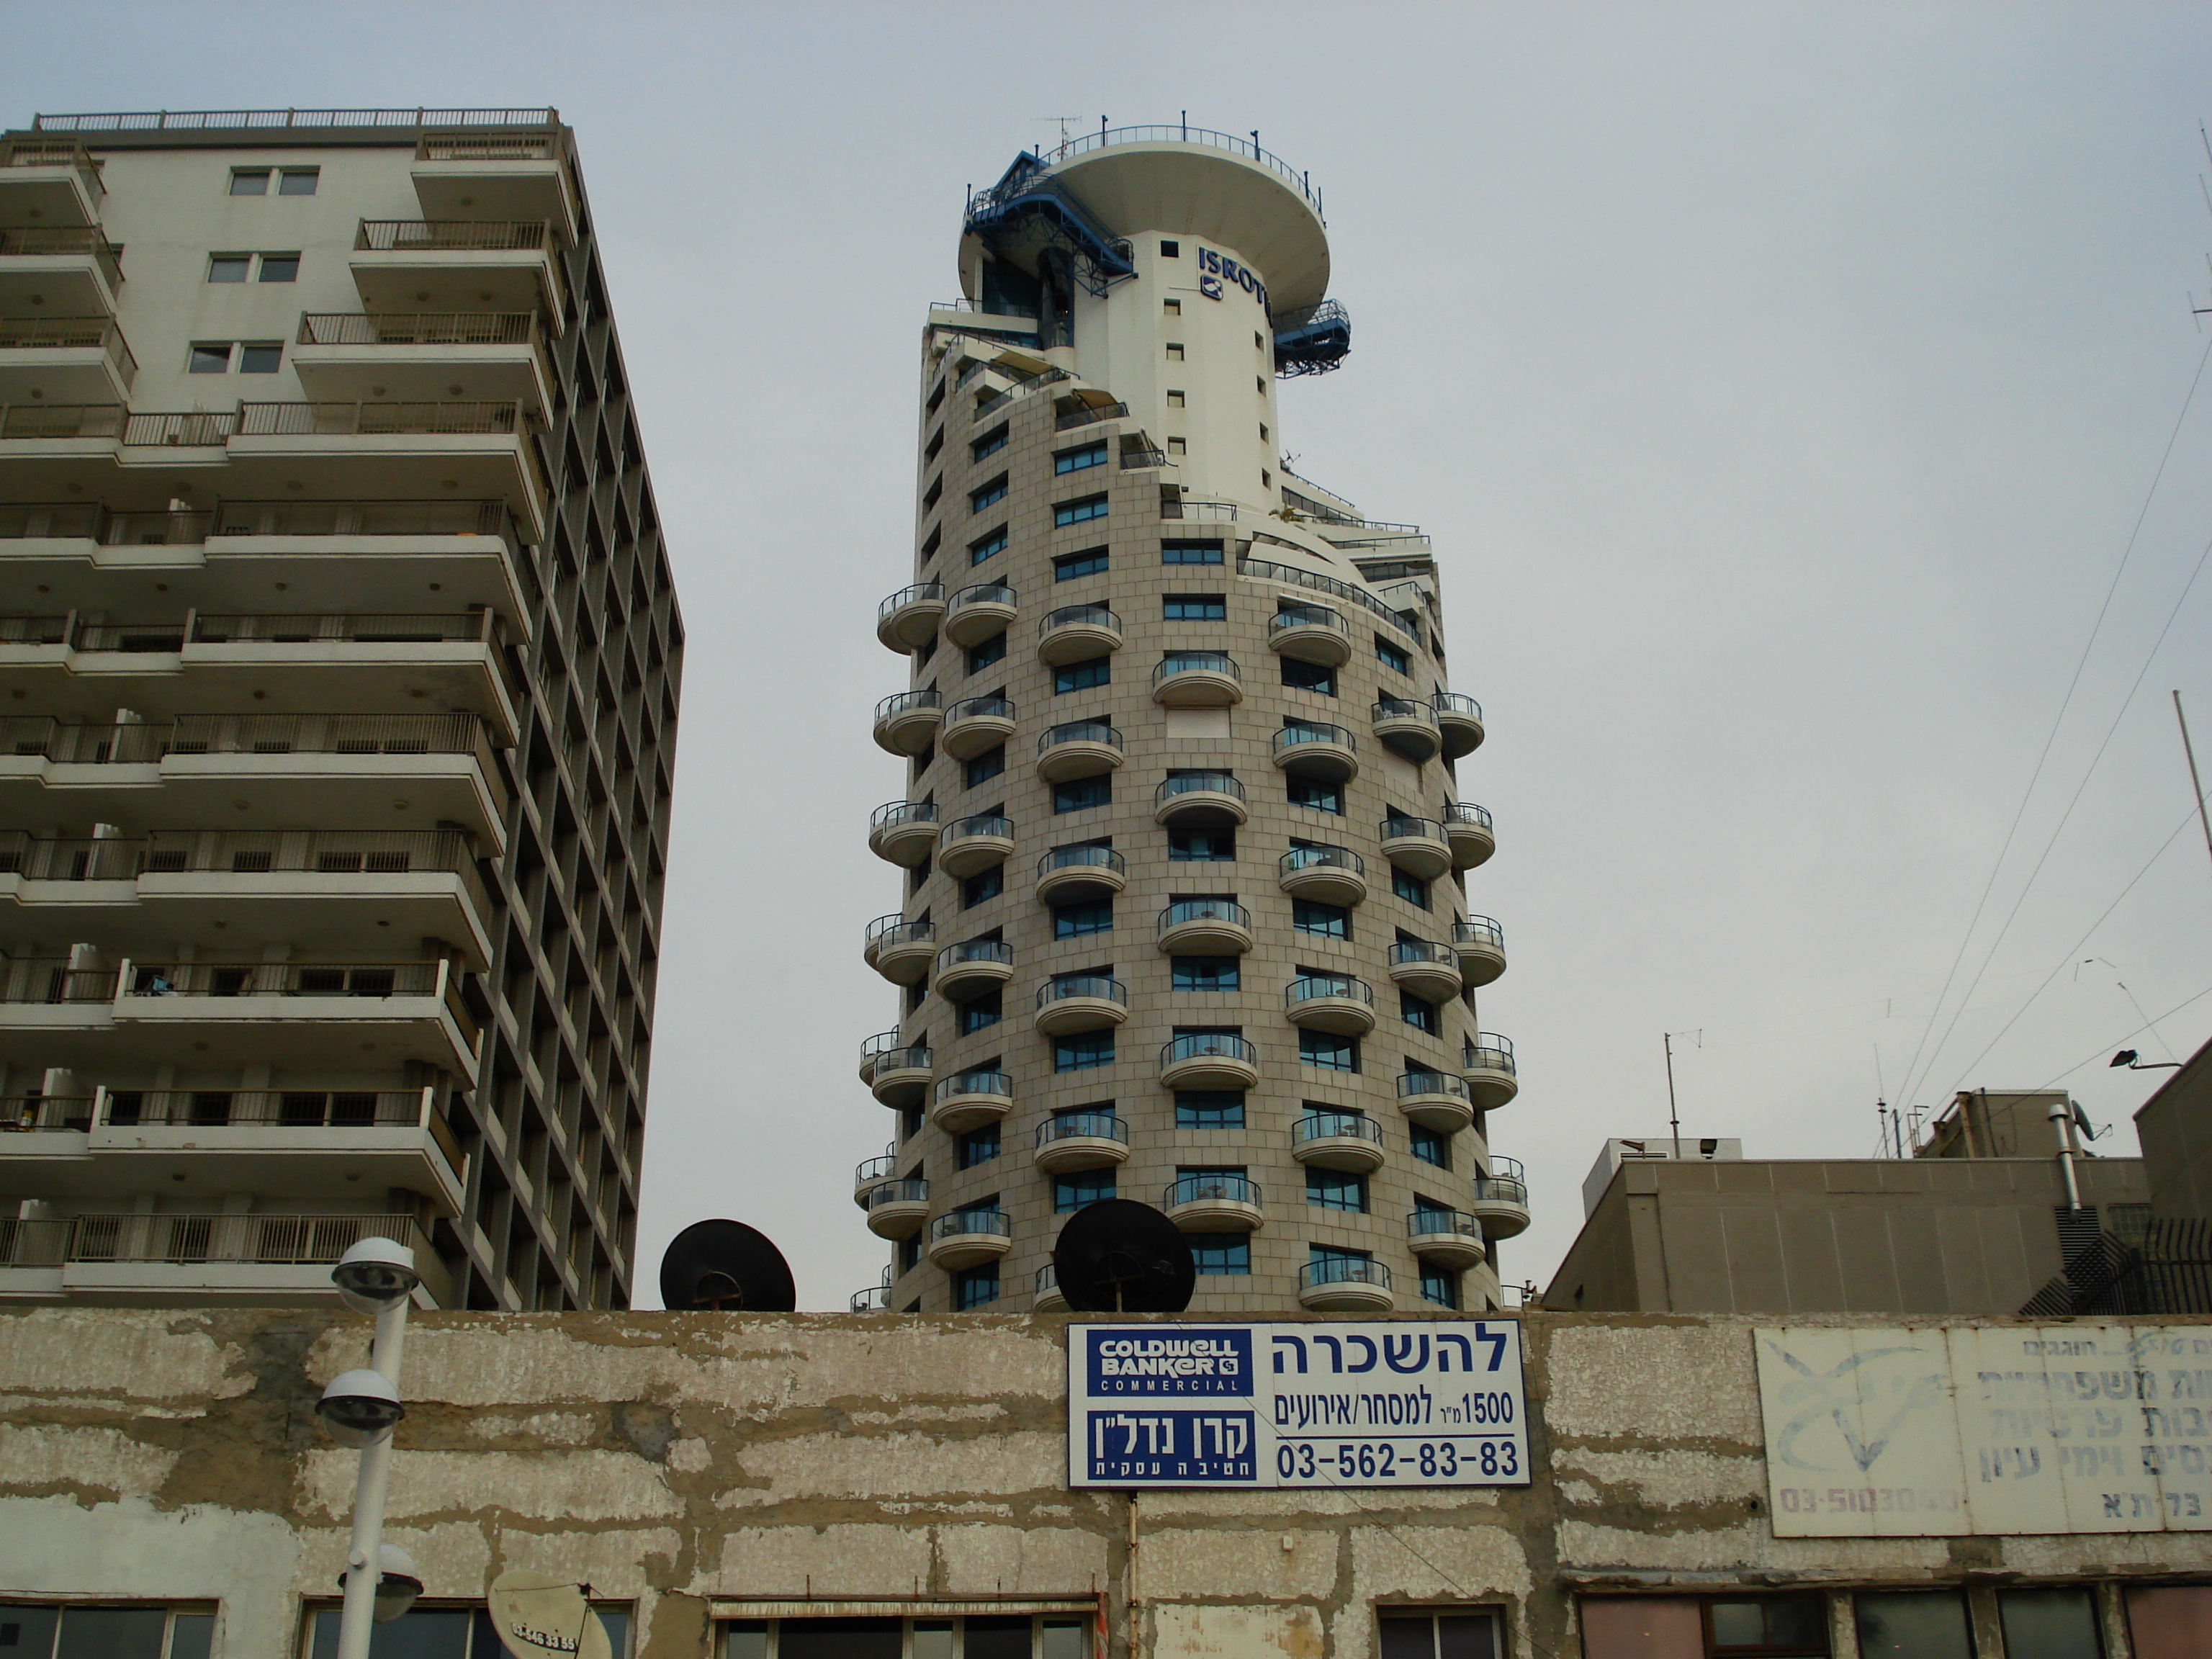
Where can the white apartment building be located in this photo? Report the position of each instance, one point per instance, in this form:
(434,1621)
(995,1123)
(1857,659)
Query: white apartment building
(1186,856)
(337,693)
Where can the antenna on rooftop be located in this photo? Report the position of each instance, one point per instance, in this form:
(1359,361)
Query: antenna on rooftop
(1674,1121)
(1063,120)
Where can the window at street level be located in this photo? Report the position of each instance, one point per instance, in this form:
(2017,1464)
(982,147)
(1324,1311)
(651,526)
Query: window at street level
(1054,1636)
(1089,562)
(1079,460)
(145,1630)
(1209,1108)
(1206,846)
(1216,1253)
(972,1287)
(1083,1051)
(1318,796)
(1072,1192)
(990,651)
(985,494)
(2050,1623)
(1194,607)
(1454,1634)
(988,764)
(1412,889)
(1334,1189)
(1083,676)
(1329,1051)
(1330,920)
(422,1633)
(1913,1624)
(1077,793)
(1309,677)
(1204,973)
(1074,921)
(1770,1626)
(1190,552)
(1079,511)
(1392,656)
(978,1146)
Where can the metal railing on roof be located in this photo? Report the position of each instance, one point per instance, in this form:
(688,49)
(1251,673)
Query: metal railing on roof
(1268,570)
(1183,134)
(206,120)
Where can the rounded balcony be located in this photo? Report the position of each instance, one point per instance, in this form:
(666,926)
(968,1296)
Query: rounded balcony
(897,1209)
(1330,1002)
(907,722)
(1214,1204)
(1436,1100)
(900,950)
(1197,679)
(1406,728)
(1501,1198)
(1199,800)
(877,1298)
(1329,875)
(903,832)
(1075,632)
(968,845)
(1209,1060)
(1488,1069)
(1205,928)
(1077,749)
(1316,748)
(1346,1288)
(1048,1298)
(895,1072)
(1311,632)
(1066,875)
(967,1238)
(1481,943)
(865,1177)
(1459,720)
(974,614)
(974,724)
(1451,1238)
(1338,1140)
(972,965)
(1467,826)
(1417,846)
(1080,1002)
(907,620)
(968,1100)
(1081,1140)
(1428,970)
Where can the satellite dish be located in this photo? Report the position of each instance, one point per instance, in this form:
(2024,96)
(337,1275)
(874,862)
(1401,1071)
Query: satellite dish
(1119,1256)
(539,1617)
(728,1266)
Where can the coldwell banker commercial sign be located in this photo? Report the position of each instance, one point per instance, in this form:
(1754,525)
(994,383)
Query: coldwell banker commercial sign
(1385,1403)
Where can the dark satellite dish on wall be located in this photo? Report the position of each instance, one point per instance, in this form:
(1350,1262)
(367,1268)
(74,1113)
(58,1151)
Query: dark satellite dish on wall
(1119,1256)
(726,1266)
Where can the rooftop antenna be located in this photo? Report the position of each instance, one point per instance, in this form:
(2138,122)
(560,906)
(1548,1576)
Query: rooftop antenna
(2196,783)
(1673,1123)
(1063,120)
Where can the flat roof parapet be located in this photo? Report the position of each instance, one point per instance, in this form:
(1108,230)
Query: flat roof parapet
(265,124)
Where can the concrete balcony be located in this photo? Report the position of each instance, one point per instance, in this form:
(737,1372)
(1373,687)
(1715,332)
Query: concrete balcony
(1068,874)
(1077,749)
(1346,1288)
(1081,1140)
(1328,875)
(453,265)
(1204,927)
(1080,1002)
(1417,846)
(1316,748)
(973,725)
(1075,632)
(1488,1069)
(521,178)
(1310,633)
(897,1209)
(1428,970)
(899,950)
(1452,1239)
(903,832)
(49,183)
(169,1259)
(1406,728)
(877,1298)
(1467,827)
(411,770)
(1048,1298)
(1458,723)
(1214,1204)
(64,360)
(974,614)
(897,1071)
(1338,1140)
(1209,1060)
(907,722)
(1480,945)
(1197,679)
(1199,800)
(974,965)
(1436,1100)
(967,1238)
(58,271)
(907,620)
(968,1100)
(342,894)
(423,355)
(1501,1199)
(1330,1002)
(871,1172)
(970,845)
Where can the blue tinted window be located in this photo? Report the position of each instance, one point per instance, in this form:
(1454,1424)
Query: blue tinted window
(978,1146)
(1320,797)
(1204,973)
(1201,845)
(1431,1145)
(1392,656)
(985,495)
(972,1287)
(993,542)
(1328,1256)
(989,444)
(985,885)
(1417,1013)
(1194,607)
(1082,675)
(1439,1287)
(1091,507)
(1072,1192)
(1083,1051)
(1077,794)
(1073,920)
(1209,1108)
(984,1011)
(1311,916)
(1212,1253)
(1333,1189)
(992,650)
(1309,677)
(1329,1051)
(1077,460)
(1089,562)
(1412,889)
(1190,552)
(988,764)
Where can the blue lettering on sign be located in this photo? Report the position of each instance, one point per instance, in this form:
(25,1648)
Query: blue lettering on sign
(1195,1360)
(1179,1446)
(1218,271)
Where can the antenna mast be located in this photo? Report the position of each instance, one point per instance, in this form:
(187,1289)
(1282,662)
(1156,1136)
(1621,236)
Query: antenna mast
(1673,1123)
(2196,785)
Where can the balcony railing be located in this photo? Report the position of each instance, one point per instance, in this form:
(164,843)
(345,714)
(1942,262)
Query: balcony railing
(1397,826)
(361,629)
(1208,1045)
(981,593)
(1078,731)
(897,930)
(1135,458)
(1464,811)
(1313,987)
(1454,702)
(281,1108)
(1073,857)
(963,1222)
(1047,1278)
(1082,984)
(893,813)
(1502,1189)
(970,708)
(876,1169)
(486,147)
(1411,1084)
(1088,415)
(1342,1271)
(1082,1126)
(899,1192)
(283,979)
(1431,1224)
(1193,1189)
(55,153)
(1308,858)
(1184,910)
(1423,950)
(25,1113)
(1480,930)
(366,418)
(975,1083)
(1183,133)
(84,334)
(455,235)
(190,1240)
(984,824)
(1181,506)
(480,517)
(64,241)
(24,980)
(1401,708)
(1195,662)
(1491,1052)
(1297,733)
(348,328)
(976,949)
(889,1050)
(1306,616)
(1190,783)
(1267,570)
(241,734)
(382,852)
(899,702)
(1071,615)
(920,593)
(1336,1126)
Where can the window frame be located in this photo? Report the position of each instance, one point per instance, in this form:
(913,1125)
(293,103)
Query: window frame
(1079,459)
(1084,509)
(1064,567)
(1213,607)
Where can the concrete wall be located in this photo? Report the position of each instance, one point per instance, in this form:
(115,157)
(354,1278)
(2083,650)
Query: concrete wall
(677,1460)
(2175,1127)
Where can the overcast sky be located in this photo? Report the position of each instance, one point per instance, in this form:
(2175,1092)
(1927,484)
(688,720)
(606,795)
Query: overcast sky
(1782,386)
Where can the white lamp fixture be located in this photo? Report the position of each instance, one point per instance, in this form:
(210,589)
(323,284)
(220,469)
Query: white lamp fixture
(375,1275)
(398,1582)
(359,1406)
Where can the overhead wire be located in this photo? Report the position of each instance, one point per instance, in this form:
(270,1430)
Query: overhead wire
(2122,1037)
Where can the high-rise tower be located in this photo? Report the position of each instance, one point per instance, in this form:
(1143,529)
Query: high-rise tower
(1184,915)
(340,674)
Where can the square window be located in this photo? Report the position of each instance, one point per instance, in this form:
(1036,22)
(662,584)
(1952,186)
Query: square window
(1215,1254)
(1069,566)
(1172,307)
(228,267)
(1079,511)
(1170,250)
(1083,676)
(1077,921)
(1317,796)
(212,357)
(1780,1625)
(1174,351)
(259,358)
(989,444)
(280,267)
(984,885)
(1201,846)
(1072,1192)
(994,542)
(988,764)
(1209,1108)
(298,181)
(249,181)
(1204,973)
(1190,552)
(1177,446)
(1334,1189)
(1078,794)
(977,1147)
(992,650)
(1083,1051)
(1194,607)
(975,1287)
(1329,921)
(1412,889)
(1392,656)
(1175,400)
(1328,1051)
(1431,1145)
(987,495)
(1080,460)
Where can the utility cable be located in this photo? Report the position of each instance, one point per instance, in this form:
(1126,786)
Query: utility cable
(2065,702)
(2138,1032)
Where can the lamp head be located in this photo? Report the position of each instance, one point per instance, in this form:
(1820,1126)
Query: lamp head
(375,1275)
(398,1582)
(358,1405)
(2125,1057)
